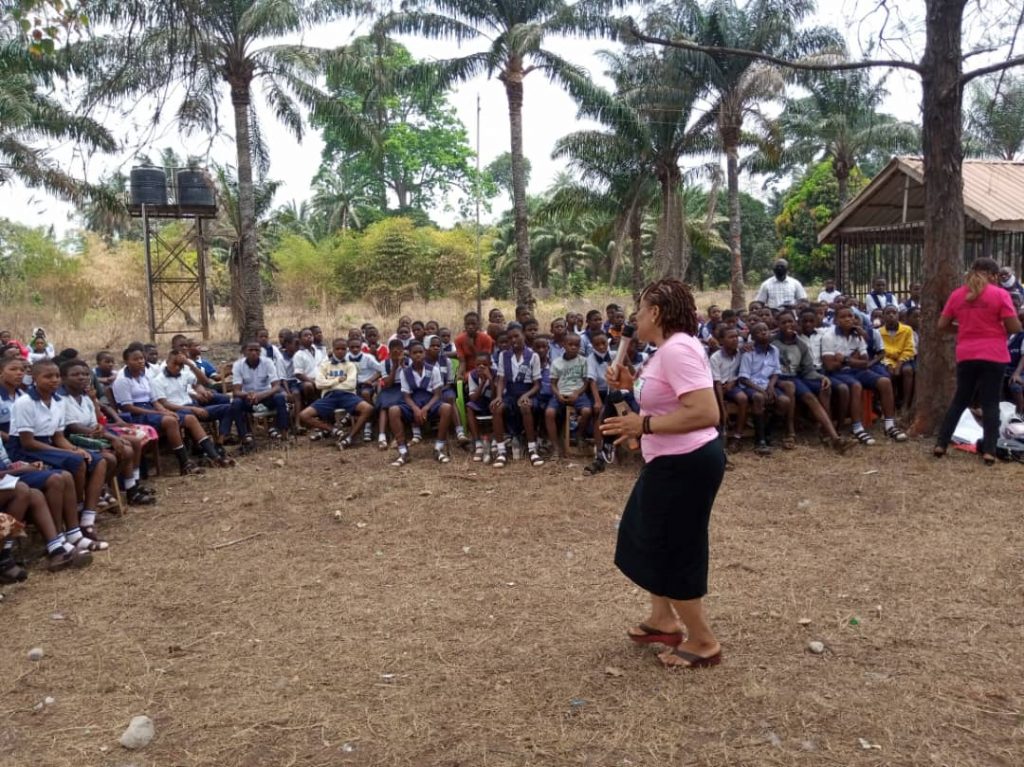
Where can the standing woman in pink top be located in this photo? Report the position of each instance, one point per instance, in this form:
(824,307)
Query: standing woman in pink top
(984,315)
(663,535)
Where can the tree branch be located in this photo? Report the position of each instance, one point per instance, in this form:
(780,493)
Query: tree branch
(800,66)
(966,77)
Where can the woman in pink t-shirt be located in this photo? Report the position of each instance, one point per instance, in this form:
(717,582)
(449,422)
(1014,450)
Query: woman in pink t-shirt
(984,315)
(663,536)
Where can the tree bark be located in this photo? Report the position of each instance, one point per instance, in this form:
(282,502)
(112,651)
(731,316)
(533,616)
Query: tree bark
(671,248)
(636,244)
(841,170)
(738,298)
(246,287)
(942,260)
(513,80)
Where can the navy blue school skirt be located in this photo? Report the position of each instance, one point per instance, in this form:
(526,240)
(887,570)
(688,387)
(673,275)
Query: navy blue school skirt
(56,459)
(663,535)
(37,479)
(389,397)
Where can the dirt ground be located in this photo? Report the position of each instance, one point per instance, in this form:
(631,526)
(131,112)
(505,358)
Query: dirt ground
(458,615)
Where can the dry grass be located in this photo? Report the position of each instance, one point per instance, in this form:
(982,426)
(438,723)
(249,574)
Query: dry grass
(450,618)
(109,329)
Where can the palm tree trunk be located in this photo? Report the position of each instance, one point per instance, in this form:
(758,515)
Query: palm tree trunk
(513,79)
(671,249)
(943,257)
(246,288)
(732,165)
(637,249)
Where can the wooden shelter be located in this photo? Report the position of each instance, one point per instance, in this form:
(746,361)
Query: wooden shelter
(880,232)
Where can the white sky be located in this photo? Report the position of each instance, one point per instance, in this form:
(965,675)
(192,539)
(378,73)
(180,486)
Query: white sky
(548,113)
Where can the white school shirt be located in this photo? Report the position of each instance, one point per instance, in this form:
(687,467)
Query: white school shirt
(30,413)
(152,371)
(7,405)
(528,371)
(596,368)
(813,342)
(723,368)
(306,362)
(875,301)
(286,367)
(79,412)
(255,379)
(131,391)
(473,385)
(366,365)
(829,296)
(835,342)
(175,389)
(434,373)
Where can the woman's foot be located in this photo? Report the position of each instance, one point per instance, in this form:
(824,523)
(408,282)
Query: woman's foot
(988,459)
(670,634)
(938,451)
(689,655)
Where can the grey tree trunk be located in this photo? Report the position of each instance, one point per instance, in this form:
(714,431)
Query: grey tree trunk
(246,286)
(942,260)
(513,80)
(671,247)
(738,299)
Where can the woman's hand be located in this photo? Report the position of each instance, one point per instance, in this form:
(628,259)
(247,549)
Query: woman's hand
(618,377)
(623,427)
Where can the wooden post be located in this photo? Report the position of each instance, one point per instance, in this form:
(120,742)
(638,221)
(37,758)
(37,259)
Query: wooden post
(149,276)
(204,313)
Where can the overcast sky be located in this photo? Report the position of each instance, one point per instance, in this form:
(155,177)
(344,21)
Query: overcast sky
(548,113)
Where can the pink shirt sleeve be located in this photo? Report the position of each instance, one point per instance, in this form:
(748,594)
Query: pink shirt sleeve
(684,369)
(956,298)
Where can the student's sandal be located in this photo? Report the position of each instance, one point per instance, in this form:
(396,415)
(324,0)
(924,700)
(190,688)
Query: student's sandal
(63,559)
(865,438)
(535,459)
(318,435)
(442,456)
(478,453)
(403,458)
(896,434)
(499,461)
(191,469)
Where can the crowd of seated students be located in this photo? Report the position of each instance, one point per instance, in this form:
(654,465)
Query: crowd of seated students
(72,432)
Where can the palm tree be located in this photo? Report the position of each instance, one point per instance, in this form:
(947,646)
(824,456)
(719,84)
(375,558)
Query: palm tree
(30,115)
(649,129)
(741,84)
(840,121)
(193,49)
(995,119)
(515,31)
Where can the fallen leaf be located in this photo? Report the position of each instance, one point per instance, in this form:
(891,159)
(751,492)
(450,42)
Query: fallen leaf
(614,671)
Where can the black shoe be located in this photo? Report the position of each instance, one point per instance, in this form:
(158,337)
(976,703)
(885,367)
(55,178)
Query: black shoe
(11,571)
(138,498)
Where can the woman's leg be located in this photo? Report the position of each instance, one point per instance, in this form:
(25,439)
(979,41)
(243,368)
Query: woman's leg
(700,640)
(966,382)
(990,385)
(662,618)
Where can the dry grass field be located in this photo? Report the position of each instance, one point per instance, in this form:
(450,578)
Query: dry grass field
(461,616)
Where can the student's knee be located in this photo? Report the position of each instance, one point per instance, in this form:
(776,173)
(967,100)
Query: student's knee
(740,398)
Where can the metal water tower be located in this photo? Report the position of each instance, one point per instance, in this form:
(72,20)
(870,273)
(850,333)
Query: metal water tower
(174,285)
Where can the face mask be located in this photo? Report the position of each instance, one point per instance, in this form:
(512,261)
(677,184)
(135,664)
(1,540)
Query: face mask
(780,272)
(1008,282)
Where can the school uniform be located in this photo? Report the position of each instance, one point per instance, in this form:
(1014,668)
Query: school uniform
(597,366)
(391,395)
(138,391)
(336,380)
(286,369)
(758,366)
(420,386)
(6,405)
(909,305)
(305,362)
(797,366)
(35,479)
(568,376)
(367,371)
(836,342)
(153,369)
(555,350)
(880,301)
(813,342)
(444,365)
(31,414)
(546,393)
(828,296)
(482,405)
(257,379)
(519,373)
(178,390)
(724,369)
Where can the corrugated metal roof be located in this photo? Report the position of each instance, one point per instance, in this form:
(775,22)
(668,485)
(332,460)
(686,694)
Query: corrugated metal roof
(993,197)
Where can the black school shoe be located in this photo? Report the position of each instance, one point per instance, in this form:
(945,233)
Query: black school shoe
(137,497)
(11,571)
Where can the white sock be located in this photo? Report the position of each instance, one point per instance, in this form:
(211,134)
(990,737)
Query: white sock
(417,431)
(382,438)
(73,536)
(856,427)
(438,445)
(129,483)
(87,518)
(459,431)
(531,446)
(500,446)
(890,423)
(136,475)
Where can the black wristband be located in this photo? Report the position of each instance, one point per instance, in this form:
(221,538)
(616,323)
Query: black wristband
(646,429)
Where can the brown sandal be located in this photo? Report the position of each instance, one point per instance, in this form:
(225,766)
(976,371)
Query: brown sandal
(692,661)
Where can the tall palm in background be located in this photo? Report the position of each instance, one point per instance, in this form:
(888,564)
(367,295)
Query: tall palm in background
(995,119)
(516,32)
(191,49)
(840,121)
(742,85)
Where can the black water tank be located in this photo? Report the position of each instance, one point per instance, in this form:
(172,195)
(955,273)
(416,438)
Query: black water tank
(193,190)
(148,186)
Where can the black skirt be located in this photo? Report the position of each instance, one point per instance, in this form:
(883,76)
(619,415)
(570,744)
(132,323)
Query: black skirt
(663,535)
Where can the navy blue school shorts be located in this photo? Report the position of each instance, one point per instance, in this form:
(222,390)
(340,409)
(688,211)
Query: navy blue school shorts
(336,400)
(582,402)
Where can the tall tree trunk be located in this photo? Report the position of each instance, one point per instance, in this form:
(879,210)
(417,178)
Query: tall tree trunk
(636,245)
(841,170)
(246,288)
(671,248)
(943,256)
(738,299)
(513,79)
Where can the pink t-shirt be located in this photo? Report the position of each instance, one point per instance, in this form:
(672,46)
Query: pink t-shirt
(980,334)
(679,366)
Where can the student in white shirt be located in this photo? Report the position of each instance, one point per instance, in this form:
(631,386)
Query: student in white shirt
(830,293)
(421,394)
(256,381)
(518,381)
(305,363)
(37,434)
(725,372)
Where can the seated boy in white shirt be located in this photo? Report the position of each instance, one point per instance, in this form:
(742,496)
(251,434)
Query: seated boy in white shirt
(256,381)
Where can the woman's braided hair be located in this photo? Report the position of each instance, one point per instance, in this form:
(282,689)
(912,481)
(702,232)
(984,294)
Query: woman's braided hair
(677,309)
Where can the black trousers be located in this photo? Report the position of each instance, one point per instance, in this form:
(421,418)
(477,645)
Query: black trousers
(984,379)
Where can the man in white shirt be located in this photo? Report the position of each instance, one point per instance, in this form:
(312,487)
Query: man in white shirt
(256,381)
(830,293)
(781,290)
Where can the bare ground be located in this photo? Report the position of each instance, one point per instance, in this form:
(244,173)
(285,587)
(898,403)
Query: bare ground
(460,616)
